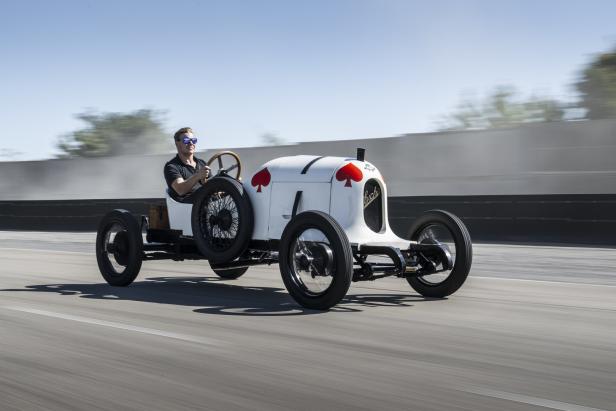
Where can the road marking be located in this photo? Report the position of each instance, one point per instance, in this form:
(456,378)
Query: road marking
(47,251)
(110,324)
(503,279)
(540,281)
(525,399)
(540,246)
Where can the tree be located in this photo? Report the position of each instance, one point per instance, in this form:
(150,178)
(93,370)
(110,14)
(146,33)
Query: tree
(502,108)
(597,87)
(9,153)
(110,134)
(272,139)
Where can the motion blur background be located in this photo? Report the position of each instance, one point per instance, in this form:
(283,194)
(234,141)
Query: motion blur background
(501,112)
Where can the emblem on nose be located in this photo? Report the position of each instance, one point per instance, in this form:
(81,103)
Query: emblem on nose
(348,173)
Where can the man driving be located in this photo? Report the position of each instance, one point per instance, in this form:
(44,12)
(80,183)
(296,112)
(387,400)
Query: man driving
(185,173)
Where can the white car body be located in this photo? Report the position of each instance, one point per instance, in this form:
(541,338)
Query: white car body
(324,187)
(322,220)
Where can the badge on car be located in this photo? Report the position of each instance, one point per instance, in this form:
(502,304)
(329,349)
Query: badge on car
(371,195)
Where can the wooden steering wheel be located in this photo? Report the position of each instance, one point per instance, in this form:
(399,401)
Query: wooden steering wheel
(228,163)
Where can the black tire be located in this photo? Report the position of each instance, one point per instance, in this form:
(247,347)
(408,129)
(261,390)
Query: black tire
(230,273)
(338,260)
(119,248)
(463,253)
(222,219)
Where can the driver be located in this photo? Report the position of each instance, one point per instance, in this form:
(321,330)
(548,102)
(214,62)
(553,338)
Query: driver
(185,173)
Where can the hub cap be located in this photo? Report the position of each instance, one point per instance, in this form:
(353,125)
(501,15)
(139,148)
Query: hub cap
(312,262)
(116,248)
(437,234)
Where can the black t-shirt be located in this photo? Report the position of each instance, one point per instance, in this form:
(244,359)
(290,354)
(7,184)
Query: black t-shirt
(175,169)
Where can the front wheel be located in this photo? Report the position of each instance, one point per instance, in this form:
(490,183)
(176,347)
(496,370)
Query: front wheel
(443,228)
(222,219)
(316,261)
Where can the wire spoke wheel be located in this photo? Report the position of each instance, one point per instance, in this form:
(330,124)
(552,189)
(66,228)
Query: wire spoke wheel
(219,220)
(222,219)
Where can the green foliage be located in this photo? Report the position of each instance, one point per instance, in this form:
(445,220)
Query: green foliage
(110,134)
(597,87)
(502,108)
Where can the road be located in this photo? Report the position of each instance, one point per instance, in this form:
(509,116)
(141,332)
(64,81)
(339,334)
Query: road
(533,328)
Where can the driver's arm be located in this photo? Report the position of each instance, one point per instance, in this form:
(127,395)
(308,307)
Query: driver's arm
(183,187)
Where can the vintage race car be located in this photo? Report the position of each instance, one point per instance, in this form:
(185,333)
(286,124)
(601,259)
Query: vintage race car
(323,219)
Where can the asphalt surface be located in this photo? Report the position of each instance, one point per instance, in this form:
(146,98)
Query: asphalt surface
(533,328)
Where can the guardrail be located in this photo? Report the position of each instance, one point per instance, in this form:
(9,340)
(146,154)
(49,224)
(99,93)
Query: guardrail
(65,215)
(563,219)
(559,218)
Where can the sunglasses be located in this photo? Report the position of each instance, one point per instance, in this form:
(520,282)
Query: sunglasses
(188,140)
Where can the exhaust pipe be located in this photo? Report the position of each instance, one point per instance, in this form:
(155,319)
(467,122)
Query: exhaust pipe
(361,154)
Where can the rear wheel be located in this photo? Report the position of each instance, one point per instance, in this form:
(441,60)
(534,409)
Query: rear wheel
(441,227)
(119,247)
(315,260)
(230,273)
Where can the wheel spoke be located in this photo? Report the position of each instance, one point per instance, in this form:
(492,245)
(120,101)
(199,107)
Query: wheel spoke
(222,230)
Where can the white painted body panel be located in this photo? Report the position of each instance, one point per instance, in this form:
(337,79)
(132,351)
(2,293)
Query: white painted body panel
(272,203)
(315,196)
(347,208)
(179,215)
(321,191)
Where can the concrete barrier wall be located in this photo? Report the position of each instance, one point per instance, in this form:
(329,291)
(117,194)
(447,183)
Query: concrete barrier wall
(558,158)
(573,219)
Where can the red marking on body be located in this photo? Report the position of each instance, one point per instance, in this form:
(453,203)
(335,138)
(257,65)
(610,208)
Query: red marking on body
(348,173)
(262,178)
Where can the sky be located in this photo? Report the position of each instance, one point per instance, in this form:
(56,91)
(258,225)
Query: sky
(303,70)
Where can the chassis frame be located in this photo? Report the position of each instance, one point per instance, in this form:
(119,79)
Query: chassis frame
(416,261)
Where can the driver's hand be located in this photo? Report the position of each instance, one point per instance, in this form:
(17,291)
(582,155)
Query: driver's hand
(204,173)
